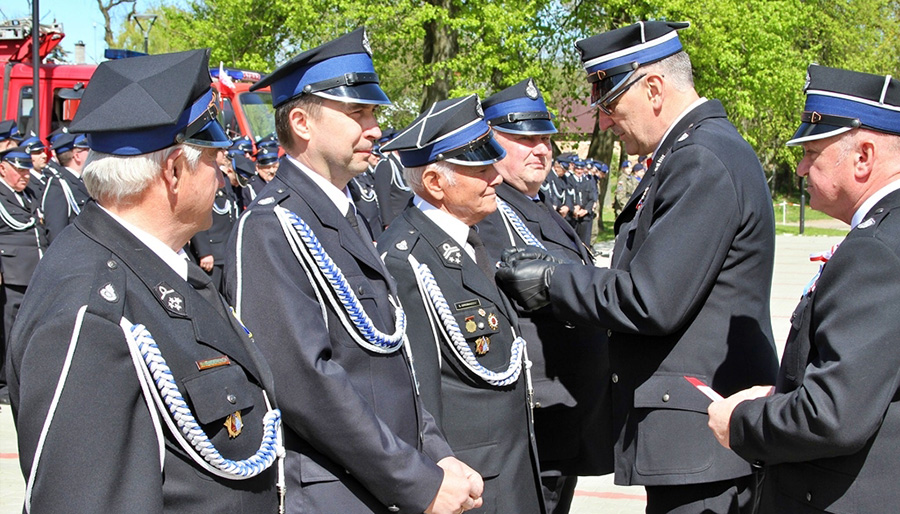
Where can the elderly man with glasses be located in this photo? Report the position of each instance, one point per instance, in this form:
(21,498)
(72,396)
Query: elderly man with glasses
(687,293)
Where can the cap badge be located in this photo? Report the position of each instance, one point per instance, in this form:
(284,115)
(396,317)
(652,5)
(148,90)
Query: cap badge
(479,110)
(531,90)
(806,84)
(365,43)
(234,424)
(108,293)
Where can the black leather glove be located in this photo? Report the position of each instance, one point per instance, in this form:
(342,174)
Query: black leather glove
(524,274)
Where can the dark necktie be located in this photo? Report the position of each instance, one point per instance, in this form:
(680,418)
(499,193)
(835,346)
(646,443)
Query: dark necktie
(481,257)
(354,222)
(200,281)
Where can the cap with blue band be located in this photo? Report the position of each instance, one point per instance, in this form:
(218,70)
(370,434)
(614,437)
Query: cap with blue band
(18,157)
(519,109)
(840,100)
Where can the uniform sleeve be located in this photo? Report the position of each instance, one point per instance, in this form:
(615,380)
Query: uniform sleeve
(317,396)
(200,246)
(55,208)
(383,174)
(101,452)
(669,277)
(852,376)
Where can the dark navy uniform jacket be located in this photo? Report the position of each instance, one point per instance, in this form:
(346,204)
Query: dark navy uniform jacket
(570,364)
(58,212)
(357,437)
(362,190)
(392,191)
(830,436)
(213,241)
(101,453)
(488,427)
(687,294)
(252,190)
(20,248)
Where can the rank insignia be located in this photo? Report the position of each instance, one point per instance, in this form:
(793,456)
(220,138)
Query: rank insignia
(482,345)
(170,298)
(234,424)
(492,321)
(108,293)
(470,324)
(402,246)
(451,253)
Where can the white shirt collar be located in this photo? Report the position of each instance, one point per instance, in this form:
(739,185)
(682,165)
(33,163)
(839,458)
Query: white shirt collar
(340,198)
(454,228)
(176,260)
(684,113)
(871,201)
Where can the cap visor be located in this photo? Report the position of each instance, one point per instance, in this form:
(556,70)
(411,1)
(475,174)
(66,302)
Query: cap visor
(527,127)
(212,135)
(368,93)
(814,131)
(488,153)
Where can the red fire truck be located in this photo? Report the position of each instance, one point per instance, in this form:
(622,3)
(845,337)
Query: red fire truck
(243,113)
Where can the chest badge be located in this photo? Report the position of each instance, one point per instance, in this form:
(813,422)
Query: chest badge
(493,322)
(482,345)
(234,424)
(470,324)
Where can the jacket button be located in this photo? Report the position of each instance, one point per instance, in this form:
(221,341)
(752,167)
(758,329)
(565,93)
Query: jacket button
(809,497)
(360,291)
(232,399)
(609,333)
(537,405)
(615,378)
(394,508)
(111,264)
(665,397)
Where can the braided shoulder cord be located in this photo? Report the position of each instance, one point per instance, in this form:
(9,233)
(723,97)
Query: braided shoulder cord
(70,196)
(429,289)
(513,219)
(223,210)
(367,195)
(13,223)
(318,265)
(188,432)
(397,178)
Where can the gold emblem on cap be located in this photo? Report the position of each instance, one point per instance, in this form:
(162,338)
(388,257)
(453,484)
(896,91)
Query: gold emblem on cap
(482,345)
(234,424)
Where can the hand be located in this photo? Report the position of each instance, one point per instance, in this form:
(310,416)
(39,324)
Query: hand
(206,263)
(460,490)
(524,274)
(720,411)
(564,210)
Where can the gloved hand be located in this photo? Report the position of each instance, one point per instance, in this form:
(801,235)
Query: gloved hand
(524,274)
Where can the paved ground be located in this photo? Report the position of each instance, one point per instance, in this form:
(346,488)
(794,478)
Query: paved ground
(594,494)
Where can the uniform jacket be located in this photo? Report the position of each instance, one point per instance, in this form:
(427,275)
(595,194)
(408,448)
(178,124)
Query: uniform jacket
(37,183)
(830,436)
(249,192)
(556,191)
(570,365)
(390,188)
(357,437)
(687,294)
(101,453)
(585,193)
(20,250)
(488,427)
(362,190)
(58,213)
(225,213)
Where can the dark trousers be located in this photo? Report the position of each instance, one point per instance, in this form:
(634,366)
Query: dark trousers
(558,492)
(725,497)
(583,229)
(12,298)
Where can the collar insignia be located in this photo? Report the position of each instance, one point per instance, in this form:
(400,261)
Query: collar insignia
(108,293)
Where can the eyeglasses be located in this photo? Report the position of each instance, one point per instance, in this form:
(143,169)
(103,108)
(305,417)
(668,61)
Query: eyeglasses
(606,104)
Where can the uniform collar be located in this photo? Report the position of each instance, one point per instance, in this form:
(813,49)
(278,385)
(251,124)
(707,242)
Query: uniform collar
(684,113)
(871,201)
(454,228)
(175,260)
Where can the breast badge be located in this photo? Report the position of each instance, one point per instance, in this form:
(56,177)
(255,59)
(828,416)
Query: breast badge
(234,424)
(482,345)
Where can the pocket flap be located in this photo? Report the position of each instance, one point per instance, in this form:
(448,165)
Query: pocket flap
(671,391)
(482,459)
(217,393)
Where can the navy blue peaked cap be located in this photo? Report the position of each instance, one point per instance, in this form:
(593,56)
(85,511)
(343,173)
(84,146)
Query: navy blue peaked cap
(450,130)
(267,154)
(340,70)
(840,100)
(17,156)
(143,104)
(7,129)
(613,57)
(519,109)
(33,144)
(66,141)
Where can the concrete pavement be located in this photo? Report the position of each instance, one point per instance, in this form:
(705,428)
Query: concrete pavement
(593,495)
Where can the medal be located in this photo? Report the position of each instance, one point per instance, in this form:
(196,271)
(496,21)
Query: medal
(470,324)
(234,424)
(482,345)
(493,322)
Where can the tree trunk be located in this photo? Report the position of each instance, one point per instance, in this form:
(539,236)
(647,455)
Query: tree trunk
(440,45)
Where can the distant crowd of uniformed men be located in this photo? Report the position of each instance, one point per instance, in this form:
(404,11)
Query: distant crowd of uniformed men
(474,357)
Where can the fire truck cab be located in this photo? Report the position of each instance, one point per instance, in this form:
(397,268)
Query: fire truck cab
(243,112)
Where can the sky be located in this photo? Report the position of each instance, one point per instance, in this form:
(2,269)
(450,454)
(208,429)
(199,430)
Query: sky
(81,20)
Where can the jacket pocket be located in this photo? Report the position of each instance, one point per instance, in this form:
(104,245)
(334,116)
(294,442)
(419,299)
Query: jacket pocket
(218,393)
(672,434)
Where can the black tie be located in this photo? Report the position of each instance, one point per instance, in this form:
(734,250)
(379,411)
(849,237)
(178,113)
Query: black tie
(481,257)
(354,222)
(201,282)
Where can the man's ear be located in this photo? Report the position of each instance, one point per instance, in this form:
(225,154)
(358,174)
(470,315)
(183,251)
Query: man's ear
(173,168)
(300,119)
(433,182)
(864,153)
(655,90)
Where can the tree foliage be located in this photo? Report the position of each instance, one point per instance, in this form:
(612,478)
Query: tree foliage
(750,54)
